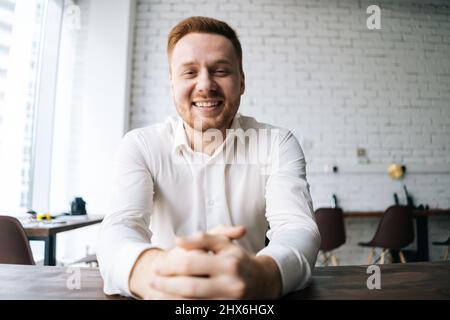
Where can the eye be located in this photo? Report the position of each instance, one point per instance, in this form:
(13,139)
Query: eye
(188,73)
(221,72)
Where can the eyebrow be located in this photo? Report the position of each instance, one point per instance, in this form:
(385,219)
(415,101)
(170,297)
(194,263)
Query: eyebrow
(220,61)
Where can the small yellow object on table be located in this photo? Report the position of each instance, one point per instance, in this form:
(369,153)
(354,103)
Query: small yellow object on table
(43,216)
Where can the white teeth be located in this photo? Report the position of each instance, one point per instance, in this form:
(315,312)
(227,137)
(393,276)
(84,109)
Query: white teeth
(207,104)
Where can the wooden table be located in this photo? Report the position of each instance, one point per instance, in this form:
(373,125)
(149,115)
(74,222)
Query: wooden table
(419,280)
(44,231)
(421,217)
(19,282)
(424,280)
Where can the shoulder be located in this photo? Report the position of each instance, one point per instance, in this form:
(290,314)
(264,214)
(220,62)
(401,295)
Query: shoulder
(148,143)
(154,135)
(280,133)
(284,146)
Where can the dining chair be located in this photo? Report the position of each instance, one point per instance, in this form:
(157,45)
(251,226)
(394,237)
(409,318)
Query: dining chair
(14,245)
(330,222)
(394,232)
(446,245)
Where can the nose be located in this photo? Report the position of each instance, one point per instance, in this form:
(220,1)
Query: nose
(205,83)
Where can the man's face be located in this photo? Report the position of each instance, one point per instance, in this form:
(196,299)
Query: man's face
(206,81)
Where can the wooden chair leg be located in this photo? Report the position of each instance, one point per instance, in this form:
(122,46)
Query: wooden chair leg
(382,256)
(371,254)
(320,258)
(333,260)
(402,257)
(445,254)
(327,259)
(389,258)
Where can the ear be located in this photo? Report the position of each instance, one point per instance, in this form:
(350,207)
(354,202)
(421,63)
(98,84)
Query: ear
(242,83)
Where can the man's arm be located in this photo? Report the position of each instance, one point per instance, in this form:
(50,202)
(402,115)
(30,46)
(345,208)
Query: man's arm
(271,277)
(294,236)
(124,232)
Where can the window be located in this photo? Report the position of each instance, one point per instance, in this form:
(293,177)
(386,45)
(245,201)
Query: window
(21,25)
(58,142)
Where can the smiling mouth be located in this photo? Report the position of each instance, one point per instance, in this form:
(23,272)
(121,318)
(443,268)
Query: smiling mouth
(208,104)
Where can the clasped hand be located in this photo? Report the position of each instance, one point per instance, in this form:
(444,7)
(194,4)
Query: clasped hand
(206,266)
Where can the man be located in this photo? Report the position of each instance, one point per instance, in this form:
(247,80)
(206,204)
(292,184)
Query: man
(189,218)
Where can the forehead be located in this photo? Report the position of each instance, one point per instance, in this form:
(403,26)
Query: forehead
(202,48)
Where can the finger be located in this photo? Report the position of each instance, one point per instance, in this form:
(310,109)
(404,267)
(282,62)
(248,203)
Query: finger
(152,294)
(204,241)
(188,287)
(158,295)
(232,232)
(190,263)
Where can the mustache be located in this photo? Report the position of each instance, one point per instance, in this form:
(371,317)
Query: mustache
(209,95)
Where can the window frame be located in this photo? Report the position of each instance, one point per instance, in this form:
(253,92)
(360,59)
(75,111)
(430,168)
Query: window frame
(41,158)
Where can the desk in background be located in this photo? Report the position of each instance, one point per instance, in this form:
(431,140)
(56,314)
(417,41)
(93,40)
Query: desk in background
(46,231)
(423,280)
(421,218)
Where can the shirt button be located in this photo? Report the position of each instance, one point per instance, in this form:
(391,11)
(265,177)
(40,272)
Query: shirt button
(211,202)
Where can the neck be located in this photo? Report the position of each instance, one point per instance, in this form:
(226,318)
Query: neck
(205,142)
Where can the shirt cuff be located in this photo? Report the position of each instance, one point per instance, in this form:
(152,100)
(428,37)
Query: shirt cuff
(295,273)
(124,262)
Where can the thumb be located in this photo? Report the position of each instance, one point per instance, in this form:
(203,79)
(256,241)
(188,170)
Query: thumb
(232,232)
(214,240)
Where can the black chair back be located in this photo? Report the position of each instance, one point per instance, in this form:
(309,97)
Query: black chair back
(330,222)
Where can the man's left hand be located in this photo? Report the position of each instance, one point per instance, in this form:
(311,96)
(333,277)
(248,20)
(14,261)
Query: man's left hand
(222,270)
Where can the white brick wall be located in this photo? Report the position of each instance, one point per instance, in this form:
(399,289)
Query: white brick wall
(312,66)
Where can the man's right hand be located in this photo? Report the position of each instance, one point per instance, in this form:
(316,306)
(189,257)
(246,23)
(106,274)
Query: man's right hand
(143,272)
(144,267)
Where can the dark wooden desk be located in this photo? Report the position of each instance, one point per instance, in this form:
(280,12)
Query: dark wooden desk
(424,280)
(421,217)
(20,282)
(46,232)
(420,280)
(416,213)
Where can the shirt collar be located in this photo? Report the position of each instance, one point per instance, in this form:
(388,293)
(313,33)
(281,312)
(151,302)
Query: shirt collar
(235,128)
(180,138)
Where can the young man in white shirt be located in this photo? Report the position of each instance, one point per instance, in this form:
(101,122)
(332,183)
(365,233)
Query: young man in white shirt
(188,219)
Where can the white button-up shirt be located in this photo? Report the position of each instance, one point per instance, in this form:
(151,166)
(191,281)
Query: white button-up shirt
(163,189)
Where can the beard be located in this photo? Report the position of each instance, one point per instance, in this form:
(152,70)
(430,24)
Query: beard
(220,121)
